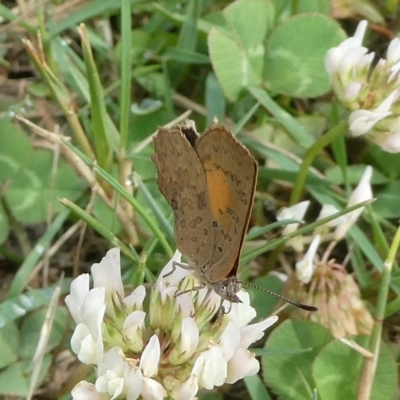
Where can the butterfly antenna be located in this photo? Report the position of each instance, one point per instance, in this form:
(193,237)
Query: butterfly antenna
(295,303)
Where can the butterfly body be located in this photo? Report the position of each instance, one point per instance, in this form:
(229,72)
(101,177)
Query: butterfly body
(209,181)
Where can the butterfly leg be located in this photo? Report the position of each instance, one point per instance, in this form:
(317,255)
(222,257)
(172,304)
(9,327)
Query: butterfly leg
(222,308)
(177,264)
(193,289)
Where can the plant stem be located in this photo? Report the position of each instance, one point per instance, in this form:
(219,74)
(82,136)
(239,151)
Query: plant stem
(369,367)
(312,152)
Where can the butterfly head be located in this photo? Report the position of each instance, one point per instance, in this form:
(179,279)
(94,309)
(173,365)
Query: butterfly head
(228,289)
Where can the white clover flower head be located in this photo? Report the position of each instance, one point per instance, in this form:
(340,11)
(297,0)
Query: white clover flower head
(136,345)
(361,193)
(372,93)
(338,298)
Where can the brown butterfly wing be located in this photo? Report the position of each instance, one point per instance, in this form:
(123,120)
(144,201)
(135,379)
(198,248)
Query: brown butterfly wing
(182,181)
(231,174)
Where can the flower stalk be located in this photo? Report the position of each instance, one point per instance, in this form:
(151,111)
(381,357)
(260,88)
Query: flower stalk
(309,157)
(370,364)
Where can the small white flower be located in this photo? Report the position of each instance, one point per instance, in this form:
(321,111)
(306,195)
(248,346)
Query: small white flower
(364,65)
(184,303)
(211,368)
(117,377)
(85,390)
(252,333)
(135,299)
(361,121)
(84,345)
(343,58)
(107,274)
(360,31)
(351,91)
(132,329)
(187,390)
(351,58)
(151,357)
(294,212)
(74,301)
(388,140)
(152,390)
(110,383)
(166,293)
(243,363)
(349,75)
(394,73)
(164,304)
(393,51)
(169,274)
(186,341)
(241,313)
(230,340)
(92,310)
(88,311)
(389,143)
(362,192)
(305,267)
(189,336)
(326,211)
